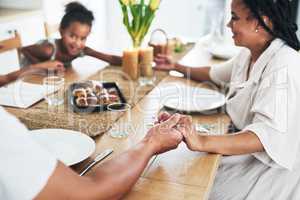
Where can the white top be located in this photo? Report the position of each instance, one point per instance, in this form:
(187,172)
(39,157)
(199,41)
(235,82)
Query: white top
(25,166)
(268,103)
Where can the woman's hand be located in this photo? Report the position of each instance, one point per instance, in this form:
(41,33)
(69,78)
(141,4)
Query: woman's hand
(164,62)
(192,139)
(49,65)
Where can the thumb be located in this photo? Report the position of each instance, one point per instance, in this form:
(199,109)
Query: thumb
(183,131)
(163,117)
(172,121)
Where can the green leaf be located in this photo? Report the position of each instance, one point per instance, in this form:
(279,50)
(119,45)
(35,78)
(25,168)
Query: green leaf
(137,17)
(148,24)
(122,4)
(140,15)
(126,19)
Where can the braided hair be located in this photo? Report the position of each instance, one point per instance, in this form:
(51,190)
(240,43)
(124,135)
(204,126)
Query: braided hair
(280,14)
(76,12)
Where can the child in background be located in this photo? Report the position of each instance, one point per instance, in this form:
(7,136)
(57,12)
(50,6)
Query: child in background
(74,29)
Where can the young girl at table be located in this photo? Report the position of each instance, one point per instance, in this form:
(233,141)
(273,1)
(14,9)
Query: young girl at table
(74,29)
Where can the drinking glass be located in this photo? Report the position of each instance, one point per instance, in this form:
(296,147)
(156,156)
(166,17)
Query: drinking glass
(122,112)
(147,74)
(54,90)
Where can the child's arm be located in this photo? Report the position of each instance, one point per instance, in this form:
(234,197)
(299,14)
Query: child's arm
(27,70)
(5,79)
(111,59)
(38,52)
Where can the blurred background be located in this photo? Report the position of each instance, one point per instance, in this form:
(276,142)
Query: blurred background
(188,20)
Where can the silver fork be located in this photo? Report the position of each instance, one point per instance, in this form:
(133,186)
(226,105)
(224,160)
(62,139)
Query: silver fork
(98,159)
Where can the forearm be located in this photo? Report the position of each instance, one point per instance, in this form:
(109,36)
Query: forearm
(111,180)
(197,74)
(118,175)
(5,79)
(99,55)
(115,60)
(232,144)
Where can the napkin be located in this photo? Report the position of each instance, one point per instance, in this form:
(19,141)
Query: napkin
(21,94)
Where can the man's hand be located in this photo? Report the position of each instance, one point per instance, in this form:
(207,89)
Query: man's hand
(49,65)
(185,126)
(163,117)
(164,136)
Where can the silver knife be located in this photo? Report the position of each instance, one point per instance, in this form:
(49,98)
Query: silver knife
(98,158)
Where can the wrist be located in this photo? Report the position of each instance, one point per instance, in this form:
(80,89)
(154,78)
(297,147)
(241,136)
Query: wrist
(148,147)
(176,67)
(26,69)
(31,66)
(202,143)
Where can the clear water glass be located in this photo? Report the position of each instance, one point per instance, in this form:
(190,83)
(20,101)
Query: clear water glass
(54,90)
(148,75)
(122,112)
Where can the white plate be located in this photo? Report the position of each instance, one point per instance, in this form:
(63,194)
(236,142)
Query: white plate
(176,73)
(68,146)
(224,51)
(192,99)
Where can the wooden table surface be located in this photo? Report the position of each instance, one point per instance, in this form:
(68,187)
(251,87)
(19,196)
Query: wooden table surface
(175,175)
(178,174)
(41,115)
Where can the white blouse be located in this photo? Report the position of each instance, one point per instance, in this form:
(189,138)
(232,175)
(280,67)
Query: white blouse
(268,103)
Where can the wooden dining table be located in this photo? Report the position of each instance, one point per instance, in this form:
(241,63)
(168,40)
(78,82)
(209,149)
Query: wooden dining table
(175,175)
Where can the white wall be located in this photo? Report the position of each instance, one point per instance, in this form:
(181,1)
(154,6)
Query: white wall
(189,19)
(24,4)
(54,10)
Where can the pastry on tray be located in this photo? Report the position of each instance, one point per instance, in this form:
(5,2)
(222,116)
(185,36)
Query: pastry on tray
(93,93)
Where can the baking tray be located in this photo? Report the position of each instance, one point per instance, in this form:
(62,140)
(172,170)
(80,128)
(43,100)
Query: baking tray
(95,108)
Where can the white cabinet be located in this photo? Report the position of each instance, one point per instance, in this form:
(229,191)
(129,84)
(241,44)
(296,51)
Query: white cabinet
(29,25)
(31,28)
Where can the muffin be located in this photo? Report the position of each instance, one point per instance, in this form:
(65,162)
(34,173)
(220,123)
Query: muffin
(79,92)
(92,101)
(81,102)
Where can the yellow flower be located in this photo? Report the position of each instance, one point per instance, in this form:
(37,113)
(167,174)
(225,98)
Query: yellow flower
(128,2)
(125,2)
(154,4)
(131,2)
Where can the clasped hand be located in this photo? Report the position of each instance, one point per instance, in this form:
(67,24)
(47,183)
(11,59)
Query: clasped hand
(170,130)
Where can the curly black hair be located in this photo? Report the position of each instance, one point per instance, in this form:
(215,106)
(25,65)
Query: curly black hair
(280,14)
(76,12)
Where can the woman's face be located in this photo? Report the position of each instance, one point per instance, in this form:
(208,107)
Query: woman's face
(74,37)
(243,25)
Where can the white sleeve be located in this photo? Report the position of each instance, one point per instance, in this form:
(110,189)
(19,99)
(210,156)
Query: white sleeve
(26,166)
(276,119)
(221,74)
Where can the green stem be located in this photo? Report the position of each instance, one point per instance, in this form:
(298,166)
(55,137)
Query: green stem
(137,42)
